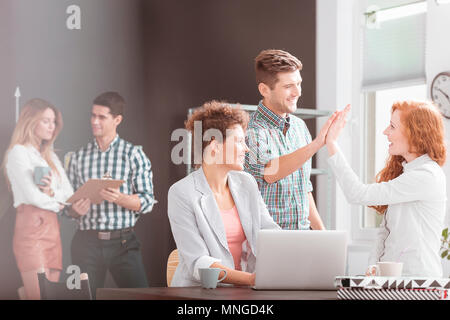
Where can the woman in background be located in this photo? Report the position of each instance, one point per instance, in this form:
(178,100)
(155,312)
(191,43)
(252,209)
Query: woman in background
(410,191)
(216,212)
(37,243)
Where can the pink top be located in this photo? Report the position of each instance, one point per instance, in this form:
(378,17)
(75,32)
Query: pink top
(235,234)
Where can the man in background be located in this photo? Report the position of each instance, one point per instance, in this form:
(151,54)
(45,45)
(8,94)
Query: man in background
(106,239)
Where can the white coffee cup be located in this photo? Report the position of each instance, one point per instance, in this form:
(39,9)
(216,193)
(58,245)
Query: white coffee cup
(387,269)
(210,277)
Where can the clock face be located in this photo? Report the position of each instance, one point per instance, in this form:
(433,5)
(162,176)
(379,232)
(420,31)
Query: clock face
(440,93)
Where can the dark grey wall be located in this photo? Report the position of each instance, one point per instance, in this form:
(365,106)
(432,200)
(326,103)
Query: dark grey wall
(164,56)
(69,68)
(202,50)
(9,277)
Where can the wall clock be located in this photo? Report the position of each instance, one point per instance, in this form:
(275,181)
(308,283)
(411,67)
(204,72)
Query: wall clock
(440,93)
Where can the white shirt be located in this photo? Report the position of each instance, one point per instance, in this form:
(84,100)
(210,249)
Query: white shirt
(412,226)
(20,170)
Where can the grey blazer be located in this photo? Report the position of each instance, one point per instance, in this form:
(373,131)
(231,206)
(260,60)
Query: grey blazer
(198,229)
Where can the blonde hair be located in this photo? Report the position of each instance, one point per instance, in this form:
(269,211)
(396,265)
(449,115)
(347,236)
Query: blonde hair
(24,131)
(424,129)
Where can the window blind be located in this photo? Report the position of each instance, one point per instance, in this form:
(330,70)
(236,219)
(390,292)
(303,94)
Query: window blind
(394,53)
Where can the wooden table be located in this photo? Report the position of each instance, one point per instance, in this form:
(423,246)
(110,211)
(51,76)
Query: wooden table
(220,293)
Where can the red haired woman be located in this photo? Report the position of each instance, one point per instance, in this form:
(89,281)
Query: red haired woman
(37,243)
(410,191)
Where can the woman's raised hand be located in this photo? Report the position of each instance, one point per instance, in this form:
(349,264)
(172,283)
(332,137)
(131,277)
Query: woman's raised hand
(335,130)
(338,124)
(321,137)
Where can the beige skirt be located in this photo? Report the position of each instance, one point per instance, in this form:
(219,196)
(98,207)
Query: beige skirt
(37,241)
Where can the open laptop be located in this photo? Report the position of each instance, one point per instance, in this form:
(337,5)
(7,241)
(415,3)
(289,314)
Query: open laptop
(299,260)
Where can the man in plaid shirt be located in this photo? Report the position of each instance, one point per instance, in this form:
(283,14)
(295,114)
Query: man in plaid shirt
(106,239)
(280,145)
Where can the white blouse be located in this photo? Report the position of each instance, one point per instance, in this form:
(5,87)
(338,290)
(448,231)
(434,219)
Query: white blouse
(20,170)
(412,226)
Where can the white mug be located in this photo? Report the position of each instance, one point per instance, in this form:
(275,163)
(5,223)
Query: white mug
(210,277)
(386,269)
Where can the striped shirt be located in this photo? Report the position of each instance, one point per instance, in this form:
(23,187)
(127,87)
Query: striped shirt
(270,136)
(122,160)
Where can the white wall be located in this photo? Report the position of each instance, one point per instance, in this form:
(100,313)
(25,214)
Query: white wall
(437,60)
(335,89)
(338,78)
(331,72)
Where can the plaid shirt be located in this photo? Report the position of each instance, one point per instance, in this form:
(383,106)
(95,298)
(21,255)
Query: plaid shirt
(122,160)
(286,199)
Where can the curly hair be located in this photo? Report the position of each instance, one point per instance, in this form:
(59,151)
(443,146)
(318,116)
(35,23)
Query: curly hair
(270,62)
(424,130)
(218,115)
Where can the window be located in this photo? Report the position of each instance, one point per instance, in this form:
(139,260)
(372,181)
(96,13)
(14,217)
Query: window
(392,62)
(377,116)
(393,49)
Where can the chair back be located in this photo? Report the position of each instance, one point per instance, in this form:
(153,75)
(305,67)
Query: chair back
(59,291)
(172,263)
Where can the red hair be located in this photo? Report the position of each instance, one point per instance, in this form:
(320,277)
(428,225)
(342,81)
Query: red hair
(424,130)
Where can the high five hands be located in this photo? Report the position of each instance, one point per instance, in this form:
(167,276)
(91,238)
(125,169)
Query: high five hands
(338,124)
(333,128)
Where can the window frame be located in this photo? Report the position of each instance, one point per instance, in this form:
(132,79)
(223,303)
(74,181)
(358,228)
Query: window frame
(360,98)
